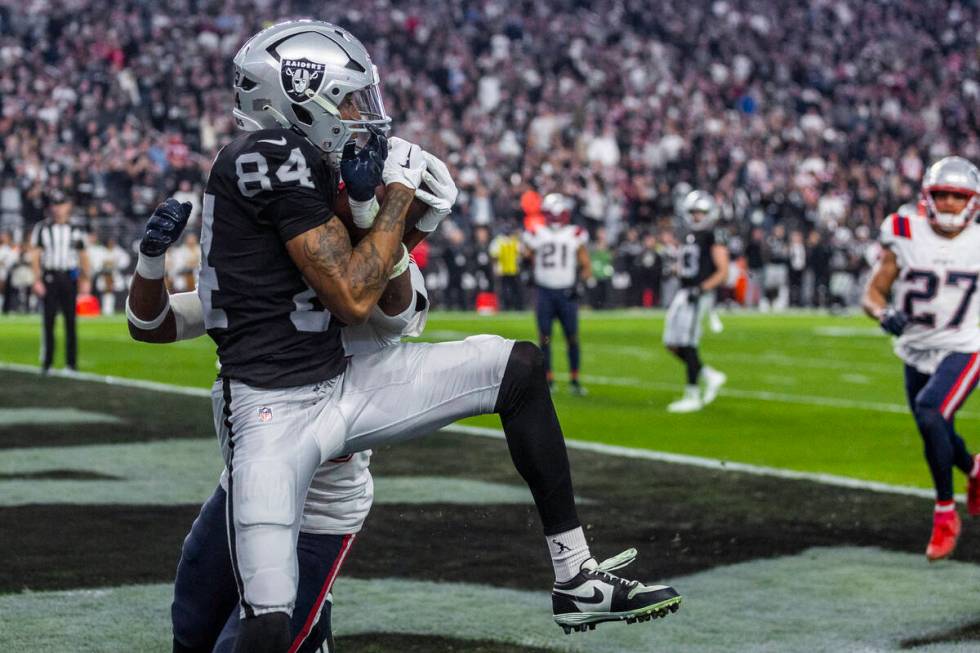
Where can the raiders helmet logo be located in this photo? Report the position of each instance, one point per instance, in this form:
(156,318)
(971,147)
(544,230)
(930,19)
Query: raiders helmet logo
(298,76)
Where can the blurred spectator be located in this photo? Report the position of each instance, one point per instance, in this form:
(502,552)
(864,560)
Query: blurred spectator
(820,115)
(601,259)
(797,267)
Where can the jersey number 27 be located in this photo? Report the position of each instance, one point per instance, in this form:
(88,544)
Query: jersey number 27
(925,288)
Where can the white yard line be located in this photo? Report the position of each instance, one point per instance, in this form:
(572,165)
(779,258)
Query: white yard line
(607,449)
(712,463)
(763,395)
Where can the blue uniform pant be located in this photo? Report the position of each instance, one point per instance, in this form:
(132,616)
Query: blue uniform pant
(558,303)
(205,610)
(934,400)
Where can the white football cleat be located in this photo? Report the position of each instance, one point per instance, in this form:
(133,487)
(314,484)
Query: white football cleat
(714,323)
(713,380)
(689,403)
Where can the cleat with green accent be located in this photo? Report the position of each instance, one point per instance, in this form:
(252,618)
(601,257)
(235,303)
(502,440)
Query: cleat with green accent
(595,595)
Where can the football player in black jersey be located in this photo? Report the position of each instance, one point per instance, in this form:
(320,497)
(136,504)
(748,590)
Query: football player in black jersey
(702,268)
(278,277)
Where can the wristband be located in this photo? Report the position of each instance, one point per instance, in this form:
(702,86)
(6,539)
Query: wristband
(401,265)
(188,315)
(363,213)
(151,267)
(147,325)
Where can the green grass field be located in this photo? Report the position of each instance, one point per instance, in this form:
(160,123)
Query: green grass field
(806,392)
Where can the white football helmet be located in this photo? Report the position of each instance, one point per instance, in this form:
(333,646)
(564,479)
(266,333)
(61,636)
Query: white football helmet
(954,174)
(298,74)
(557,208)
(699,201)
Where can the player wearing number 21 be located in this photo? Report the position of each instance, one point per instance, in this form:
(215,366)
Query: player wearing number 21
(558,252)
(928,268)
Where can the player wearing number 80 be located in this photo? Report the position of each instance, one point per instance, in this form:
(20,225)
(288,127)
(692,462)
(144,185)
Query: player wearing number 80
(558,249)
(930,267)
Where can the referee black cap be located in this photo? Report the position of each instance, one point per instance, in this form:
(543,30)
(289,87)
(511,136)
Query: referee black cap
(56,195)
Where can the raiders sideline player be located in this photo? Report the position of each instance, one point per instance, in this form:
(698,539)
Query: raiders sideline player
(702,266)
(278,277)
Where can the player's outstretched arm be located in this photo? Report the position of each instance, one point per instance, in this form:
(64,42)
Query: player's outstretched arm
(152,313)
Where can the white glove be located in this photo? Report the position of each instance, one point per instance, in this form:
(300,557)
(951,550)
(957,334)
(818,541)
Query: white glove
(442,197)
(404,165)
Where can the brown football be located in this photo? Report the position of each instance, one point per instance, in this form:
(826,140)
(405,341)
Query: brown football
(342,208)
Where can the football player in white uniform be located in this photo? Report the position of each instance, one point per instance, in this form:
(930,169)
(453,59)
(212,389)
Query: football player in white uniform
(561,261)
(702,267)
(279,276)
(923,292)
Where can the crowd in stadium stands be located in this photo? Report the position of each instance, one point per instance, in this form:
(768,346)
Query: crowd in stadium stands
(809,124)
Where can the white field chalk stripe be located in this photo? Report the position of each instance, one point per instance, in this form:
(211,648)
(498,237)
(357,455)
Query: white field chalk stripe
(111,380)
(613,450)
(763,395)
(715,464)
(760,395)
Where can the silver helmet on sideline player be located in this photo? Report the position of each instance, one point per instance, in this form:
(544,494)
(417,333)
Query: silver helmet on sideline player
(952,174)
(699,210)
(310,75)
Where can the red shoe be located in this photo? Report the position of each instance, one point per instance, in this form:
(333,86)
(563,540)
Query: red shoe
(973,492)
(945,532)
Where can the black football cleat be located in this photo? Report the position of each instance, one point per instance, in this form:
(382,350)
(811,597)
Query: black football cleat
(595,596)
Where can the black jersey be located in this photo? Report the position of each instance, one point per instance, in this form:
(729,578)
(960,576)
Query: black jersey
(695,262)
(265,188)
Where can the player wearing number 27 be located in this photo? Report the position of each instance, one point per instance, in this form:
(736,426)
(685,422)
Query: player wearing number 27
(558,250)
(929,267)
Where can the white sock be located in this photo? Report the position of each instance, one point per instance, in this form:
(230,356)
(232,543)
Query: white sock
(568,551)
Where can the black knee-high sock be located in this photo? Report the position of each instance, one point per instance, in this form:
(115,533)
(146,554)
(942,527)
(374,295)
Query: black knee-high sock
(693,362)
(534,438)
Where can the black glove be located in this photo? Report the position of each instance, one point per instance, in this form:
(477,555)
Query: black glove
(164,227)
(693,294)
(361,170)
(577,292)
(894,322)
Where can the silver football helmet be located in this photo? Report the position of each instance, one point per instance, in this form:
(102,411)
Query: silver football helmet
(310,75)
(954,174)
(699,201)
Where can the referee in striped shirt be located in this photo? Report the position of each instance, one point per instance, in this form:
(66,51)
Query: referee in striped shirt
(60,271)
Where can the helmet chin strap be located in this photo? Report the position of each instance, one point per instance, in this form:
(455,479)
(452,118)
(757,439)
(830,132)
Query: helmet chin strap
(281,119)
(323,103)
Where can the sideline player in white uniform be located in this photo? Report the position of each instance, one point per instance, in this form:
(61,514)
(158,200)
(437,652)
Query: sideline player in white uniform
(561,260)
(929,267)
(280,275)
(702,266)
